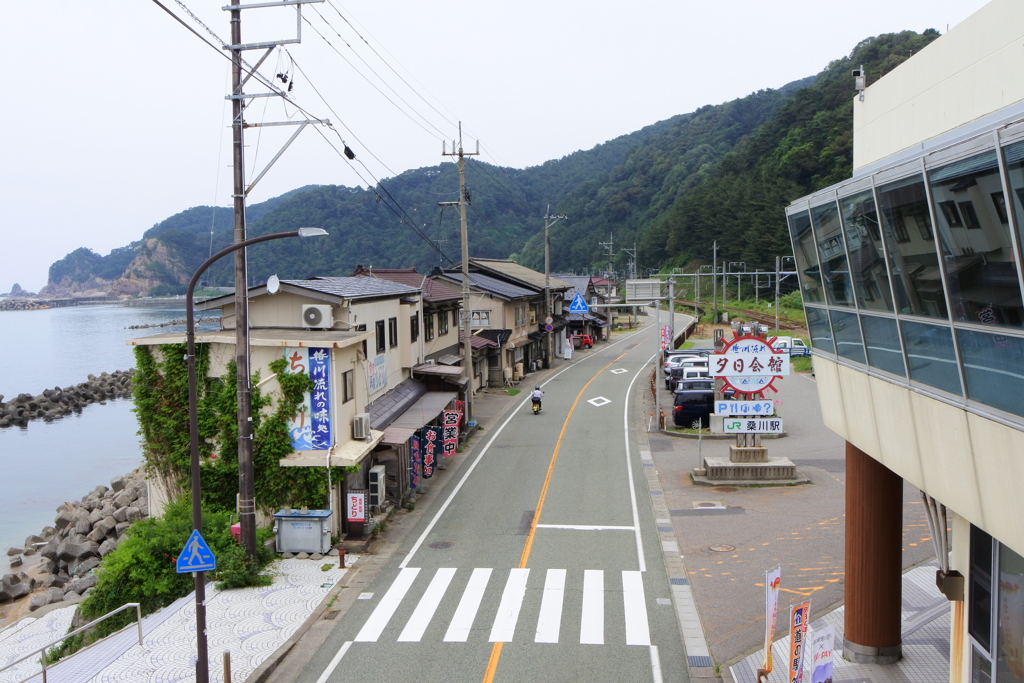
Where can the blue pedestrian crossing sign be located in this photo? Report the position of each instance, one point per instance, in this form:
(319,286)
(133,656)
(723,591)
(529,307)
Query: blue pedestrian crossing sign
(578,304)
(197,556)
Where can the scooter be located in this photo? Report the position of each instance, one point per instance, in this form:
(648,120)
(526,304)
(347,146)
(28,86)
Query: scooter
(536,407)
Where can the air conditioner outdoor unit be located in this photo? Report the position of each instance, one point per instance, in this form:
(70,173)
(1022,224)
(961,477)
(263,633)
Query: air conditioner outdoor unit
(430,361)
(377,485)
(361,426)
(317,316)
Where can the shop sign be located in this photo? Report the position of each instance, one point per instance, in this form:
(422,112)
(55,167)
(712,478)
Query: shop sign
(310,427)
(355,506)
(758,425)
(450,431)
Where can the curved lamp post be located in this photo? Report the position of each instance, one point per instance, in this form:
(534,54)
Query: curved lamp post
(202,661)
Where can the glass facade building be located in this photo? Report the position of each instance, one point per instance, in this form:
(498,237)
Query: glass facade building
(912,272)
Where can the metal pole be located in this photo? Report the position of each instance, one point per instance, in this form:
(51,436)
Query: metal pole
(777,262)
(549,339)
(227,666)
(714,284)
(659,360)
(467,327)
(671,313)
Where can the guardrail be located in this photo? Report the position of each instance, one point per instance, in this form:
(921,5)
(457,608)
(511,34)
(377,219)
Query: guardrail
(43,649)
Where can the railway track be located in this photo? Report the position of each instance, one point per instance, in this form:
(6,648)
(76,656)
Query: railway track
(757,316)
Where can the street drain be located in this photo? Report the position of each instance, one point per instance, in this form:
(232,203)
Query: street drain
(712,504)
(441,545)
(726,489)
(722,548)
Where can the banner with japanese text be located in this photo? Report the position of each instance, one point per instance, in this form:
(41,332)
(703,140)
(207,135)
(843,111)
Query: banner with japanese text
(799,618)
(430,440)
(310,427)
(415,461)
(772,581)
(822,642)
(450,432)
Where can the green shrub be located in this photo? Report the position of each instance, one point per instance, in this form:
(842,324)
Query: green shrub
(792,300)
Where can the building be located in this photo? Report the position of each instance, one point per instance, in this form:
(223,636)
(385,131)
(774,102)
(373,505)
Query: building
(911,278)
(593,323)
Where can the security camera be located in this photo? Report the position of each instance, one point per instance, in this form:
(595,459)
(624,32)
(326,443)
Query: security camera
(856,73)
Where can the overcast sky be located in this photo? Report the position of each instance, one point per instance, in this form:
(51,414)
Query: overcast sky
(116,119)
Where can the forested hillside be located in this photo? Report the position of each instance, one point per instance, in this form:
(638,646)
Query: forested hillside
(723,172)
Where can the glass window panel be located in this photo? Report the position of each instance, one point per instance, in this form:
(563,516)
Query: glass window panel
(913,261)
(979,609)
(821,331)
(847,336)
(867,256)
(930,355)
(882,339)
(832,254)
(993,369)
(1010,657)
(981,269)
(806,258)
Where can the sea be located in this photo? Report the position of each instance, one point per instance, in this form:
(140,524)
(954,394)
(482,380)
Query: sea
(47,463)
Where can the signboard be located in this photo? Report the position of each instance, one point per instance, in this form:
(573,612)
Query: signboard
(378,373)
(579,304)
(666,333)
(430,439)
(196,556)
(355,506)
(730,408)
(548,320)
(772,582)
(310,427)
(450,432)
(759,425)
(728,365)
(822,642)
(643,290)
(799,617)
(415,461)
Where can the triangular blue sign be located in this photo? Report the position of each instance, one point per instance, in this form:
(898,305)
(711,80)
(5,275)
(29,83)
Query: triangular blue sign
(197,556)
(578,305)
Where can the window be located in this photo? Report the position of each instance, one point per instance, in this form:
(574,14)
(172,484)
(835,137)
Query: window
(996,582)
(835,271)
(428,326)
(381,343)
(951,215)
(864,242)
(999,201)
(520,315)
(442,323)
(479,319)
(806,257)
(930,355)
(970,216)
(392,332)
(414,326)
(348,390)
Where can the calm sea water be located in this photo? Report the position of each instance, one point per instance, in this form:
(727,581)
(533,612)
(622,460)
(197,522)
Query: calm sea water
(45,464)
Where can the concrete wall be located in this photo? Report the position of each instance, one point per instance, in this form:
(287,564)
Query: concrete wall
(971,71)
(969,463)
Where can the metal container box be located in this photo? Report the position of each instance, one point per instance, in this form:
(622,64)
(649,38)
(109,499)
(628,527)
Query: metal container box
(303,532)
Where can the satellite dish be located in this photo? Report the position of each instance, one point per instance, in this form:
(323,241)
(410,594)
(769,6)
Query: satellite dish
(273,284)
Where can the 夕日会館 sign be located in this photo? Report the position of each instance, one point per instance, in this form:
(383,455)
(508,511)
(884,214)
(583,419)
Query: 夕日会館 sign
(310,427)
(749,364)
(743,408)
(746,425)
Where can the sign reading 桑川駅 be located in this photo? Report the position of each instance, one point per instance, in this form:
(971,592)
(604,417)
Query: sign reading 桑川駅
(310,427)
(747,425)
(355,505)
(743,408)
(748,364)
(377,374)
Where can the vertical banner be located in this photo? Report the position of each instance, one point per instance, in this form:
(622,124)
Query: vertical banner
(772,581)
(355,506)
(310,427)
(799,617)
(415,461)
(665,337)
(460,408)
(450,432)
(822,642)
(432,444)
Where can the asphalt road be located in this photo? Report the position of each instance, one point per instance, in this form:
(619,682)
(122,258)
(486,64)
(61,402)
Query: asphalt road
(538,559)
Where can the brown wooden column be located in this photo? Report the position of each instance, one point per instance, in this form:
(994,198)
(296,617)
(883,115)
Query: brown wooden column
(874,562)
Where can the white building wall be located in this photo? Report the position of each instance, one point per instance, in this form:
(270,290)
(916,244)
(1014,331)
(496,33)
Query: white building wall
(971,71)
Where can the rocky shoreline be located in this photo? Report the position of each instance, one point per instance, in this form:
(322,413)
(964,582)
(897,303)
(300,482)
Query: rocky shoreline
(57,565)
(55,403)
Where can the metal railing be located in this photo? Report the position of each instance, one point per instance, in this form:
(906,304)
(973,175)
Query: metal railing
(43,649)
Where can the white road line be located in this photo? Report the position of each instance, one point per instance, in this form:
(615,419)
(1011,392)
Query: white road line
(465,613)
(592,619)
(635,605)
(413,631)
(550,620)
(334,662)
(641,562)
(386,607)
(504,626)
(585,527)
(655,665)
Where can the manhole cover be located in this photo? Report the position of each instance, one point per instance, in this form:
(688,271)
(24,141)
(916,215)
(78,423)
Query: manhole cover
(722,548)
(712,504)
(442,545)
(726,489)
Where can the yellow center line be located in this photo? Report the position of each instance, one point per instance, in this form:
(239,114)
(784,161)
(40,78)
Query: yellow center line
(492,663)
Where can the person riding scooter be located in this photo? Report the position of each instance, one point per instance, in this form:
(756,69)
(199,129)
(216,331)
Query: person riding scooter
(536,396)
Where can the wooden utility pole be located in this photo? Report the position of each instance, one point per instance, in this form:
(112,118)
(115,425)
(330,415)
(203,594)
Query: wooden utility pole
(467,313)
(549,350)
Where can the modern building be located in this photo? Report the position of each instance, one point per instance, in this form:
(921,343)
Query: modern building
(911,279)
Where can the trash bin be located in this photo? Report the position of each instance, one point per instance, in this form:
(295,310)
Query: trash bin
(302,532)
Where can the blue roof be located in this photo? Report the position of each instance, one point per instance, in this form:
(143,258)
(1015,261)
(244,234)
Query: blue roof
(493,284)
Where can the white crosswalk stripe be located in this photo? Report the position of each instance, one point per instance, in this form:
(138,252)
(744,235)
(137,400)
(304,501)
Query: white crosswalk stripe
(552,597)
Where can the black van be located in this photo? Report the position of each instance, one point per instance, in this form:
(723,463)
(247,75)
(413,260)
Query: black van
(694,403)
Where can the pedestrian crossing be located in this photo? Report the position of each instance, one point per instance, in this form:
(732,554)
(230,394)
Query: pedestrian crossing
(504,622)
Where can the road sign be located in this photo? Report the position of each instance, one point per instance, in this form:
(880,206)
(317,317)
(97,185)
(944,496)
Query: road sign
(753,425)
(197,556)
(578,305)
(548,328)
(743,408)
(548,320)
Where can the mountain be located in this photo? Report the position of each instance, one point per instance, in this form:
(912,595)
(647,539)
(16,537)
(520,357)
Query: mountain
(723,172)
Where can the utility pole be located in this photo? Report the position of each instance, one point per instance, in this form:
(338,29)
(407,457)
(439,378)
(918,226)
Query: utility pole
(631,266)
(714,282)
(549,350)
(467,313)
(671,313)
(778,261)
(609,245)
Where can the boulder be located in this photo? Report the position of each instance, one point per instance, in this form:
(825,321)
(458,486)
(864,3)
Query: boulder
(55,580)
(29,552)
(15,561)
(107,546)
(37,601)
(47,532)
(122,527)
(50,550)
(121,514)
(71,595)
(54,595)
(32,540)
(83,584)
(14,551)
(65,515)
(118,483)
(86,566)
(134,513)
(96,514)
(125,498)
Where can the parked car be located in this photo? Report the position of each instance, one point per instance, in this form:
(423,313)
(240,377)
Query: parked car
(582,341)
(794,346)
(694,403)
(679,356)
(682,373)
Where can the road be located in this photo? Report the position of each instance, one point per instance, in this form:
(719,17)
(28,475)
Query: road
(539,560)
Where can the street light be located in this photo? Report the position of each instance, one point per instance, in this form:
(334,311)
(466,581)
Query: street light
(202,661)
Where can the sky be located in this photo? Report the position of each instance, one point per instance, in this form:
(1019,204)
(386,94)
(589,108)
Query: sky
(115,117)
